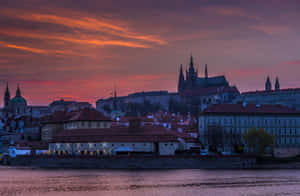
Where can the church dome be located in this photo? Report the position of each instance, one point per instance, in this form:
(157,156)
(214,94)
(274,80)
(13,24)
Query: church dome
(18,100)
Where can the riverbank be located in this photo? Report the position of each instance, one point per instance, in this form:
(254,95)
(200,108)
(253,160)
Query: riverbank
(178,162)
(136,162)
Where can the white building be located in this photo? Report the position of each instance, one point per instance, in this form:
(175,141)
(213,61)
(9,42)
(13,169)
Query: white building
(135,139)
(235,119)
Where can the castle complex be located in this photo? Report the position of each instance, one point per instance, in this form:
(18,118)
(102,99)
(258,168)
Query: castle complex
(192,81)
(193,91)
(288,97)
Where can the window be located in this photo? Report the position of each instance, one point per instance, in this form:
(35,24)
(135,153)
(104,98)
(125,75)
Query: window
(98,124)
(89,124)
(82,123)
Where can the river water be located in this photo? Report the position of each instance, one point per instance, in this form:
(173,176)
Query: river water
(32,182)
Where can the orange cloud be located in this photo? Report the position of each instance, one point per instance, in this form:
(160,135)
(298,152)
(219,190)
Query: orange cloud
(42,51)
(86,23)
(24,48)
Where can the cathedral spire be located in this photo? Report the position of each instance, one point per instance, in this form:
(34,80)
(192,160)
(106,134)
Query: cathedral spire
(18,92)
(181,72)
(180,79)
(206,73)
(7,90)
(6,97)
(191,69)
(115,100)
(277,85)
(268,84)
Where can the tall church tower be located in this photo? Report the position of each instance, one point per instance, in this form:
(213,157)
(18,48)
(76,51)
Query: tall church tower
(268,85)
(180,80)
(191,74)
(6,98)
(206,72)
(18,92)
(277,85)
(115,100)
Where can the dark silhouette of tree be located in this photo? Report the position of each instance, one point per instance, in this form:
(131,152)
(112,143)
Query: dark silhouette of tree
(215,137)
(258,139)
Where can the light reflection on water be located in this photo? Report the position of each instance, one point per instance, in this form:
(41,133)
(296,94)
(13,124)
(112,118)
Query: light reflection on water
(32,182)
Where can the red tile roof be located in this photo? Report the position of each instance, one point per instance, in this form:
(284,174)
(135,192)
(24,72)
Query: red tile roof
(82,115)
(120,134)
(88,114)
(249,109)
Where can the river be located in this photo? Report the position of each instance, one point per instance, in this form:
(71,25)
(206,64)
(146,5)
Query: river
(33,182)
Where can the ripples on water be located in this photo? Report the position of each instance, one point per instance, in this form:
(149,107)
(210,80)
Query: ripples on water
(32,182)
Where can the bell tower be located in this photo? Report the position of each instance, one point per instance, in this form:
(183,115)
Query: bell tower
(6,98)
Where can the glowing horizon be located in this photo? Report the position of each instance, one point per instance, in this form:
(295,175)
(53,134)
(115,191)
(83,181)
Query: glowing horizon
(57,49)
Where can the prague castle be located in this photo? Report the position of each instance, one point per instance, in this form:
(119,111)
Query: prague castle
(192,81)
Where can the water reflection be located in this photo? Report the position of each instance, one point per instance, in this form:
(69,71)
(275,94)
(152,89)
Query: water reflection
(27,182)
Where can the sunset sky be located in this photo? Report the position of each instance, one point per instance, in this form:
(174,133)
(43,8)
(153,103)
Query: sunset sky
(81,49)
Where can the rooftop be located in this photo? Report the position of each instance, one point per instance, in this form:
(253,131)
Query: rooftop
(272,91)
(121,134)
(249,109)
(86,114)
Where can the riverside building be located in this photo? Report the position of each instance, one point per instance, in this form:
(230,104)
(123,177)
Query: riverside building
(134,139)
(88,132)
(235,119)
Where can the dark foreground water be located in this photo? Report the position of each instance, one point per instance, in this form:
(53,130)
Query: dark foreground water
(32,182)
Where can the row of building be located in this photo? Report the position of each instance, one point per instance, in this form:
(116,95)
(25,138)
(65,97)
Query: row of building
(165,127)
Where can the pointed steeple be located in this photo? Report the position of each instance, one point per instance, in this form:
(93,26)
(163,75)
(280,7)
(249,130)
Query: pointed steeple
(268,85)
(18,92)
(6,97)
(180,79)
(115,100)
(7,90)
(206,72)
(191,68)
(277,85)
(181,76)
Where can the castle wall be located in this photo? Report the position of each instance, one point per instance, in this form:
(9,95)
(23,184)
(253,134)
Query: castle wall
(154,98)
(289,98)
